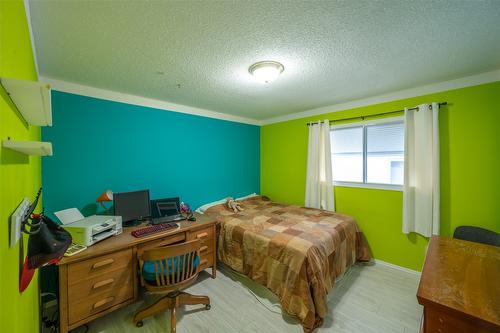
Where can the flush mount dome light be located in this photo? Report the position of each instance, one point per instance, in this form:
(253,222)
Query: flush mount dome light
(266,71)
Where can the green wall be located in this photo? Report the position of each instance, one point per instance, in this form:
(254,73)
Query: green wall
(19,174)
(470,166)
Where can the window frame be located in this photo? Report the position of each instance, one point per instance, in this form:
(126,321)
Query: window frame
(364,124)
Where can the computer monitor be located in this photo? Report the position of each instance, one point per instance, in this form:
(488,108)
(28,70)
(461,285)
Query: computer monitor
(165,207)
(133,207)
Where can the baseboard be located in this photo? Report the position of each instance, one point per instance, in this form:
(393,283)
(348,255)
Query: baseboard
(400,268)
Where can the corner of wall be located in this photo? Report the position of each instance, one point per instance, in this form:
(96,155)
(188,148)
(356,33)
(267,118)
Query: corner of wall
(19,174)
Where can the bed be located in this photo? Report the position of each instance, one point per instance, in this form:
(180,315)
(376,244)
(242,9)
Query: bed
(295,252)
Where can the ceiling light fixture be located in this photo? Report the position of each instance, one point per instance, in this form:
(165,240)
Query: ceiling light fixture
(266,71)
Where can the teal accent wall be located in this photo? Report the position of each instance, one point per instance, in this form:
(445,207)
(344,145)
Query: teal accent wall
(100,144)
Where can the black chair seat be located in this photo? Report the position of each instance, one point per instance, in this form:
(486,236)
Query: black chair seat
(477,234)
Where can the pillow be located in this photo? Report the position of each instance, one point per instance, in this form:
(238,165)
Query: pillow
(247,196)
(203,209)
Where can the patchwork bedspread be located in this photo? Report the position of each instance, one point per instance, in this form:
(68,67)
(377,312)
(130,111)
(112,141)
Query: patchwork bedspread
(295,252)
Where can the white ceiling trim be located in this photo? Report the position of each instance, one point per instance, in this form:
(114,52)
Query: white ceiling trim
(467,81)
(115,96)
(32,38)
(83,90)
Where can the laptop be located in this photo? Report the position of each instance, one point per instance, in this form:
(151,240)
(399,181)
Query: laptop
(166,210)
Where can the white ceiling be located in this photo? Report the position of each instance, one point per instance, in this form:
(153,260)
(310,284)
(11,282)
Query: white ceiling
(197,53)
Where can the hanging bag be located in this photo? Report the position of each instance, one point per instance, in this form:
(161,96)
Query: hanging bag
(47,244)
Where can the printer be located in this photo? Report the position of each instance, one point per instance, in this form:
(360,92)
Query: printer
(95,228)
(89,230)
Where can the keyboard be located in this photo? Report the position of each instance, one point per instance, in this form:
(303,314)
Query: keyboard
(153,229)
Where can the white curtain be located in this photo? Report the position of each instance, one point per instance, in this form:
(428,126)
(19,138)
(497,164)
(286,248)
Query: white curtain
(421,179)
(319,184)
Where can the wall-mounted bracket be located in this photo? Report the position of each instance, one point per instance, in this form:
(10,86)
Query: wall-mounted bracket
(16,220)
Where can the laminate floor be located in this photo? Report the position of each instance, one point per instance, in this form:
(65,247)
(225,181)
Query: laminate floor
(367,299)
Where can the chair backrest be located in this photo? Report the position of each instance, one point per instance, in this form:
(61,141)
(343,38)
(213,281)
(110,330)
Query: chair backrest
(478,235)
(175,266)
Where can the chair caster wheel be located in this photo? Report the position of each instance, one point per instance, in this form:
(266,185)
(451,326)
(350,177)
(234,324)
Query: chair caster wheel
(207,307)
(139,324)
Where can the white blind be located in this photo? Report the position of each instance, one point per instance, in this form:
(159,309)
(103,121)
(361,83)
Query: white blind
(385,153)
(371,153)
(347,140)
(347,154)
(385,138)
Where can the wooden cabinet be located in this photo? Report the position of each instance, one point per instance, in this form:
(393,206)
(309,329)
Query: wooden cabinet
(104,278)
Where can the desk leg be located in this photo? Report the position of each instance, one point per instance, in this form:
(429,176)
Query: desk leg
(214,267)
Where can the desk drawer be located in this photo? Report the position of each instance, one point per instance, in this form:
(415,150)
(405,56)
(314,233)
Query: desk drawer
(82,308)
(206,260)
(205,235)
(101,284)
(164,241)
(95,267)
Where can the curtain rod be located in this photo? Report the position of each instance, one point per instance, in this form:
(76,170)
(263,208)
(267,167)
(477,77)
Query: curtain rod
(373,115)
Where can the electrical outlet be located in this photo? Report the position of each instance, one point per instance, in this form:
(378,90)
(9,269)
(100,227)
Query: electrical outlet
(15,221)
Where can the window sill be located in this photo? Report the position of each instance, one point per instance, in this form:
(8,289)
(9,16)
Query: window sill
(389,187)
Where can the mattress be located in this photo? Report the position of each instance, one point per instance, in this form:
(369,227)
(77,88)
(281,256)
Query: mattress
(296,252)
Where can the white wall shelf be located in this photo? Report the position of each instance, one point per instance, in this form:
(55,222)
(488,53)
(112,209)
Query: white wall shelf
(32,100)
(37,148)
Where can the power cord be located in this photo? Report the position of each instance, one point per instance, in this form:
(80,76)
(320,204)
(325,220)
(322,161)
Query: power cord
(234,274)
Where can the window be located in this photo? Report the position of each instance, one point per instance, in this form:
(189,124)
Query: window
(370,152)
(347,154)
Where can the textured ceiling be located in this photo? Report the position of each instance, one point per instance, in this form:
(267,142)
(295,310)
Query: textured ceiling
(198,53)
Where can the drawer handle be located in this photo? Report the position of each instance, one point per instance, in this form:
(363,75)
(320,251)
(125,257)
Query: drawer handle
(103,302)
(103,283)
(203,234)
(203,248)
(103,263)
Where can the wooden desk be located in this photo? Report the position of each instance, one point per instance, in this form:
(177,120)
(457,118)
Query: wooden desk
(104,278)
(460,287)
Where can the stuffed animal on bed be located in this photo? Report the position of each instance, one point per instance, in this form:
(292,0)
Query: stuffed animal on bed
(232,204)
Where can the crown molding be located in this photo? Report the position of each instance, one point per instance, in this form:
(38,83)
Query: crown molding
(83,90)
(78,89)
(463,82)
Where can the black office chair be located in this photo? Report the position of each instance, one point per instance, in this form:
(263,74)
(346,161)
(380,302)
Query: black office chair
(478,235)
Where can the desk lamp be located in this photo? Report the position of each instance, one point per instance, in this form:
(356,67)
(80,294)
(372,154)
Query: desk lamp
(105,196)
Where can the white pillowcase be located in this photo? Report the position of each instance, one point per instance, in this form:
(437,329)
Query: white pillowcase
(203,209)
(247,196)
